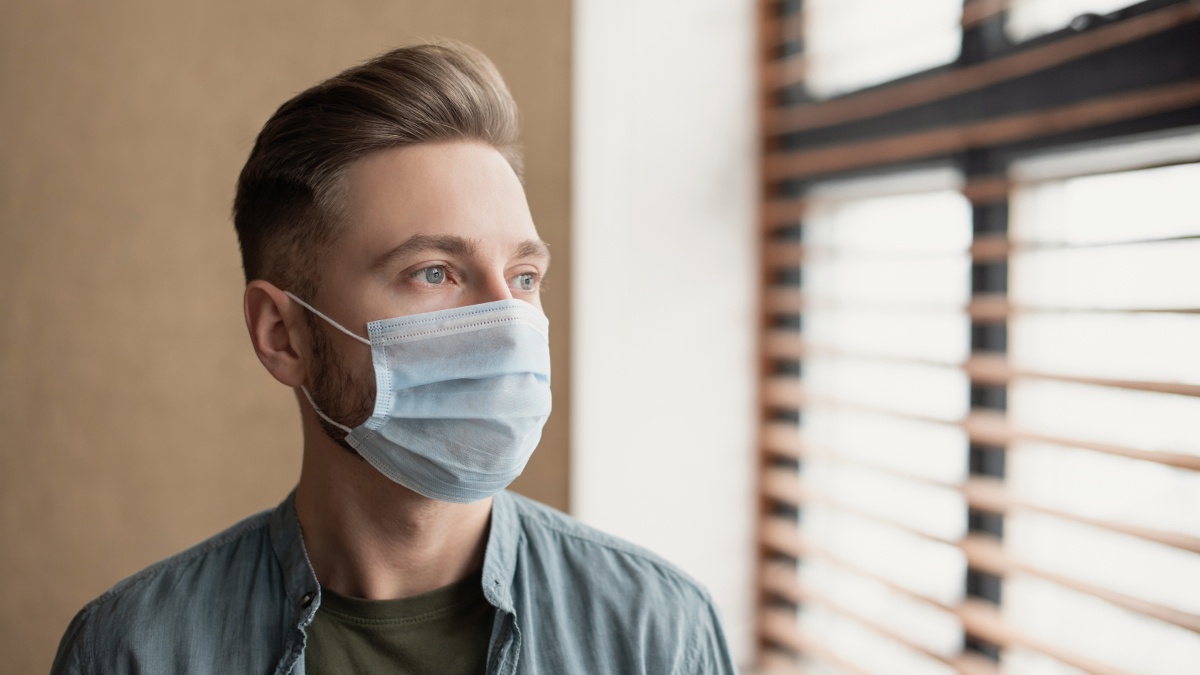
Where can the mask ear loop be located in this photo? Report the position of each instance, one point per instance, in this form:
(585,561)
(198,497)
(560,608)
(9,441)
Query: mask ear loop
(329,320)
(323,415)
(339,327)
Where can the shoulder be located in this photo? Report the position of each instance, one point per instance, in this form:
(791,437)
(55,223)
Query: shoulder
(183,595)
(584,584)
(559,536)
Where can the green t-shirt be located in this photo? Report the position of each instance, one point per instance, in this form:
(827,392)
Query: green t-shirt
(442,632)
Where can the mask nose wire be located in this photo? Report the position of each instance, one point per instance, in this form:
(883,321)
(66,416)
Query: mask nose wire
(327,319)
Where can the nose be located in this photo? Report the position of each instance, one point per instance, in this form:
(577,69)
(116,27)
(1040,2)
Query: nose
(492,286)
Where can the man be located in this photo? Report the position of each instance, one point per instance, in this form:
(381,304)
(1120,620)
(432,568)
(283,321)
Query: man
(393,274)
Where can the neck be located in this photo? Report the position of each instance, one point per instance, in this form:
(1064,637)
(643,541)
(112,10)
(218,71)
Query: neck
(369,537)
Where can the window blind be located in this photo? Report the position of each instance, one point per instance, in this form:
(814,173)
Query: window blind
(980,393)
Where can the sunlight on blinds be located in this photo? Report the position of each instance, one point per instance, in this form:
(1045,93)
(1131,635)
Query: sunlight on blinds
(851,44)
(1091,255)
(1098,345)
(1031,18)
(1158,275)
(1138,419)
(923,450)
(1161,574)
(923,224)
(1157,203)
(920,622)
(1107,487)
(927,568)
(942,336)
(866,648)
(886,334)
(1021,661)
(889,386)
(933,510)
(1096,629)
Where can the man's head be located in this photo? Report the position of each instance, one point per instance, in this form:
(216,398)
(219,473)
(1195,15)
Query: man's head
(291,201)
(392,189)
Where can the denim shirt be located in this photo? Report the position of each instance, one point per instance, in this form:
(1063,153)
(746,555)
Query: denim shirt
(568,599)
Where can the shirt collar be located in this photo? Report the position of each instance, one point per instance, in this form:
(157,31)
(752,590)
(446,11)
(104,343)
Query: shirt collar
(300,581)
(500,558)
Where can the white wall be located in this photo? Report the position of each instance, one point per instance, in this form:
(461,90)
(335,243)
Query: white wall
(664,175)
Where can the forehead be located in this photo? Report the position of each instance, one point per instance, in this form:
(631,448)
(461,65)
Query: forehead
(456,188)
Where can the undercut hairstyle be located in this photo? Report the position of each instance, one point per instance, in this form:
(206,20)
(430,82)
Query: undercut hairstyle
(289,206)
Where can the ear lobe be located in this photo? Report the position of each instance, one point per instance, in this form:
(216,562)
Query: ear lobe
(275,332)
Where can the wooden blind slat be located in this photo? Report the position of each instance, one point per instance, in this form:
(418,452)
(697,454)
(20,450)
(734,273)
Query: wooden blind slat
(784,484)
(984,553)
(989,308)
(989,494)
(983,368)
(776,212)
(781,30)
(782,535)
(979,618)
(781,627)
(808,595)
(993,429)
(783,254)
(783,344)
(782,439)
(981,426)
(987,190)
(982,308)
(791,27)
(993,248)
(1007,129)
(977,11)
(990,248)
(996,370)
(787,71)
(987,554)
(869,104)
(777,662)
(783,392)
(783,300)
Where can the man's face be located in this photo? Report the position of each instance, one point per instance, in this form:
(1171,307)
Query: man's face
(429,227)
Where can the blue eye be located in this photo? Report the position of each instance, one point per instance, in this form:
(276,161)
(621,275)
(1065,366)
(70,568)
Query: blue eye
(525,282)
(433,275)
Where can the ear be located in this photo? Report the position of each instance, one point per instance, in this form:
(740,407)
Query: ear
(278,332)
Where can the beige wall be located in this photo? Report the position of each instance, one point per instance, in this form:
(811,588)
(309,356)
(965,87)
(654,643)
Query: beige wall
(134,418)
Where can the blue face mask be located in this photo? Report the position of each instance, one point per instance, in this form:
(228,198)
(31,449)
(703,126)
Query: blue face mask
(461,396)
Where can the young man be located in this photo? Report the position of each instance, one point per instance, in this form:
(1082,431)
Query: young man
(393,275)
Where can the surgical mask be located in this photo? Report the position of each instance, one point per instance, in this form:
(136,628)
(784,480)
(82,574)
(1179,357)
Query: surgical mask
(461,396)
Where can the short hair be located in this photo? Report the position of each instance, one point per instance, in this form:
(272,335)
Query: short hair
(288,207)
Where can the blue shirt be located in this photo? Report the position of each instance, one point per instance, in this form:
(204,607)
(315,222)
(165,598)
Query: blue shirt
(568,599)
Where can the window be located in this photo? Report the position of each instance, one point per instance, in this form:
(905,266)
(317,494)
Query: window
(851,44)
(981,372)
(1031,18)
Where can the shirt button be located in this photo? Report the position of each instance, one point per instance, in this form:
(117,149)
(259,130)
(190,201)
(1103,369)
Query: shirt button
(307,600)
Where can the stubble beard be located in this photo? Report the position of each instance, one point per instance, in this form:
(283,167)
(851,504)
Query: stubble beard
(343,397)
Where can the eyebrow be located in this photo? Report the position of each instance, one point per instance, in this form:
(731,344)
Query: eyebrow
(419,243)
(456,246)
(533,248)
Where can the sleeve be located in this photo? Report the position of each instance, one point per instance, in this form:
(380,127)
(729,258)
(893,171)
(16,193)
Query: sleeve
(70,659)
(708,652)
